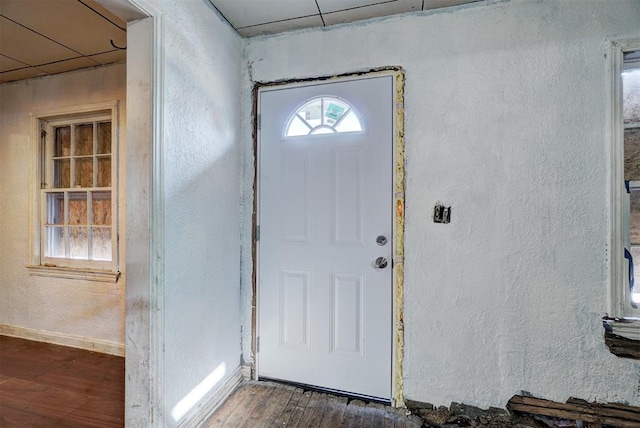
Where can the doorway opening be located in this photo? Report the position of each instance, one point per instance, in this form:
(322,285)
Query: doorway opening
(329,225)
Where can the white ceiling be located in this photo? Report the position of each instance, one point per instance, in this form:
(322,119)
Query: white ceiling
(257,17)
(40,37)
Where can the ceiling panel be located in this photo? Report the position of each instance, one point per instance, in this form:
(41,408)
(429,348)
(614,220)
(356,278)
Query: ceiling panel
(39,37)
(40,16)
(252,12)
(26,46)
(54,36)
(254,17)
(436,4)
(280,26)
(327,6)
(24,73)
(110,57)
(7,64)
(68,65)
(366,12)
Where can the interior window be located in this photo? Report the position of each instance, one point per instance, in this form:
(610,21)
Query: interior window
(77,192)
(631,119)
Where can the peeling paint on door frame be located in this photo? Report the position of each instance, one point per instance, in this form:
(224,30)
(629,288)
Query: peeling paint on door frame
(397,395)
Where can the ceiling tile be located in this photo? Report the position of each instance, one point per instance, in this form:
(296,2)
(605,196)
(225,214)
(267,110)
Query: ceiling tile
(95,30)
(435,4)
(68,65)
(7,64)
(110,57)
(244,13)
(23,45)
(327,6)
(278,27)
(25,73)
(366,12)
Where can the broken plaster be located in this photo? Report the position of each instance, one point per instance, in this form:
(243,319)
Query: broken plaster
(398,258)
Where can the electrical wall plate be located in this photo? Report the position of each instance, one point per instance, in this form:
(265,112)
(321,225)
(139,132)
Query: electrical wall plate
(441,214)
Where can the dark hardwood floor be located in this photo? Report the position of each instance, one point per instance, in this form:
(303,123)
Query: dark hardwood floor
(268,404)
(44,385)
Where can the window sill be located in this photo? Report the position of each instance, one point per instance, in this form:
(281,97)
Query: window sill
(622,336)
(74,273)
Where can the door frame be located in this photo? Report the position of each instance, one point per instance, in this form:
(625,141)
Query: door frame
(398,200)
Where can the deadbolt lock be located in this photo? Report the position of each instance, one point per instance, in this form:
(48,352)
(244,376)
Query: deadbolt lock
(381,240)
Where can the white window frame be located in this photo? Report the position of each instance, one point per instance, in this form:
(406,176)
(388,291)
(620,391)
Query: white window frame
(103,271)
(619,298)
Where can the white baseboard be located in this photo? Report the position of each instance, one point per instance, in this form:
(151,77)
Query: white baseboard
(215,399)
(89,344)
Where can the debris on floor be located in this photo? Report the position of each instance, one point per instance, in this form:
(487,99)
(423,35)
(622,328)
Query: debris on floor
(462,415)
(530,412)
(578,413)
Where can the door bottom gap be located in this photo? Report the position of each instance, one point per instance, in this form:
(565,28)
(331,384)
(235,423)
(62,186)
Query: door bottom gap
(350,396)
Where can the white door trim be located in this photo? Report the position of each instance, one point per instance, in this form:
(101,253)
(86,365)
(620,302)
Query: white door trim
(397,345)
(144,248)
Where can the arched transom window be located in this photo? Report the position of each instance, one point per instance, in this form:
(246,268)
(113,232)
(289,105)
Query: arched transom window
(323,115)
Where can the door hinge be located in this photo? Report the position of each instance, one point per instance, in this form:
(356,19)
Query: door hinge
(259,121)
(257,233)
(258,344)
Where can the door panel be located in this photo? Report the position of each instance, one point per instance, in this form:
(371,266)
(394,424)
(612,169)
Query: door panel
(295,188)
(347,174)
(324,309)
(347,329)
(295,308)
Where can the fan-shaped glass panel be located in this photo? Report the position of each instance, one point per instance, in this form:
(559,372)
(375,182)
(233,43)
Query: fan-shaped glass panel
(323,115)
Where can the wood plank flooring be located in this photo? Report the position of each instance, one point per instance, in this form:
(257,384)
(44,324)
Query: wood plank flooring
(44,385)
(268,404)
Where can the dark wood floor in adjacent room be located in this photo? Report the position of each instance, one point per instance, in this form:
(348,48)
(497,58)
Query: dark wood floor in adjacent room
(268,404)
(44,385)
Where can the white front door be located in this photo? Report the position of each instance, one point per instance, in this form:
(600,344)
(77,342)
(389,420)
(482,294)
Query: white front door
(324,250)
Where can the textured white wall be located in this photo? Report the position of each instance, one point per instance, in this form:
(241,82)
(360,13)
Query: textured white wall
(505,122)
(91,310)
(201,174)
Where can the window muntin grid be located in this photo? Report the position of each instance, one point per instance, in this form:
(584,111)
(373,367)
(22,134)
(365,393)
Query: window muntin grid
(77,194)
(323,115)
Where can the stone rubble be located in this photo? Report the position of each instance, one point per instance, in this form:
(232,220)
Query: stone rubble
(462,415)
